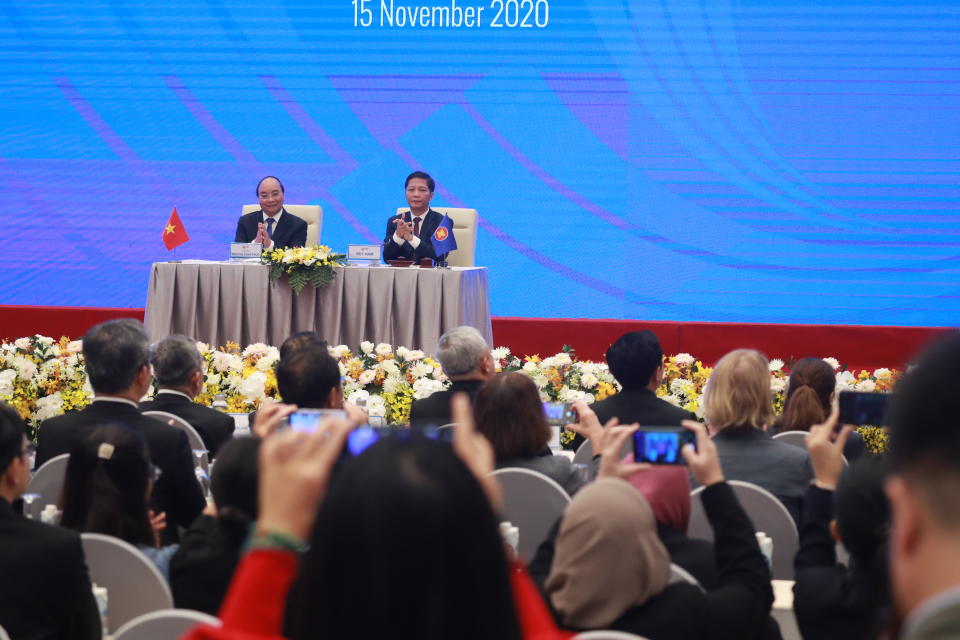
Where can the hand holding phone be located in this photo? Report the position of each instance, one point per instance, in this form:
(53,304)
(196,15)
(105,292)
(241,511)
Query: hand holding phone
(863,407)
(661,445)
(702,458)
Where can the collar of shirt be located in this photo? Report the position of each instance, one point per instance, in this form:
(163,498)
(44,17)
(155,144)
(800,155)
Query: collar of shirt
(115,399)
(174,392)
(276,218)
(929,608)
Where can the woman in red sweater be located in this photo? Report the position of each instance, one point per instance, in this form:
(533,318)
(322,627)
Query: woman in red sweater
(405,545)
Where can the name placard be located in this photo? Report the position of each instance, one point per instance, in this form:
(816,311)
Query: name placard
(245,250)
(364,252)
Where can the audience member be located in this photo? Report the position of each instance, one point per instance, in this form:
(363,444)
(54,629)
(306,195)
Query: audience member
(508,411)
(374,568)
(45,589)
(831,600)
(298,341)
(466,361)
(108,482)
(610,570)
(179,370)
(738,407)
(810,394)
(203,566)
(924,501)
(309,377)
(116,358)
(636,361)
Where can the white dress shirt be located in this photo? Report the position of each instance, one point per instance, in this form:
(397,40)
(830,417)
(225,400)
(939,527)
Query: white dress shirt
(276,221)
(414,240)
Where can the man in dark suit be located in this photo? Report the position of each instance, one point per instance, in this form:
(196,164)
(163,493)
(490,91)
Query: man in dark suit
(179,369)
(466,360)
(309,377)
(271,226)
(636,361)
(116,357)
(408,234)
(45,590)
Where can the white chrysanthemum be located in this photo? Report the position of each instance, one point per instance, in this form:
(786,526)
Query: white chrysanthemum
(7,376)
(390,368)
(25,366)
(778,385)
(833,362)
(376,406)
(254,386)
(343,368)
(267,361)
(684,359)
(23,343)
(421,370)
(413,354)
(588,381)
(72,360)
(677,385)
(500,353)
(425,387)
(223,362)
(212,378)
(547,363)
(866,385)
(339,351)
(392,385)
(775,365)
(367,377)
(49,406)
(233,380)
(529,367)
(562,359)
(672,399)
(202,347)
(45,341)
(402,352)
(366,347)
(358,396)
(882,373)
(255,349)
(541,381)
(383,349)
(845,380)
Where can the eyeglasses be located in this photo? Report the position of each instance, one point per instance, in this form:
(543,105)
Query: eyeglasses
(155,473)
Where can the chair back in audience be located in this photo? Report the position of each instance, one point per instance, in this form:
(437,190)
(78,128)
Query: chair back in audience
(532,502)
(3,634)
(679,574)
(134,585)
(607,635)
(48,483)
(193,436)
(795,438)
(584,454)
(464,230)
(767,515)
(312,214)
(166,624)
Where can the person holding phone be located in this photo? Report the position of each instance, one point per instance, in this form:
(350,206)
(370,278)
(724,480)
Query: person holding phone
(408,234)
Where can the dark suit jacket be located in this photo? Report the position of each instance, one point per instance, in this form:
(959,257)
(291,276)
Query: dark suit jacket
(45,587)
(177,492)
(291,231)
(214,427)
(434,410)
(394,251)
(203,566)
(637,405)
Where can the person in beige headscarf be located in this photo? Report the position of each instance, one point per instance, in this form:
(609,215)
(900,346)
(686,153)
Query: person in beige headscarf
(610,571)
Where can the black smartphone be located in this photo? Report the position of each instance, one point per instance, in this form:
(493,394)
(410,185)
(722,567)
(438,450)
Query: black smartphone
(559,413)
(864,407)
(661,445)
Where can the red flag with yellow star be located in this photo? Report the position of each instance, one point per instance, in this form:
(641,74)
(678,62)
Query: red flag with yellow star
(174,234)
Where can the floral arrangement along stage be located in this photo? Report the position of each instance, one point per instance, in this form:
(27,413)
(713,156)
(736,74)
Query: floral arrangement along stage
(313,264)
(41,378)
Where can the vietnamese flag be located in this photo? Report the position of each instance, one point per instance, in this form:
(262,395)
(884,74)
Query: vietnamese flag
(174,234)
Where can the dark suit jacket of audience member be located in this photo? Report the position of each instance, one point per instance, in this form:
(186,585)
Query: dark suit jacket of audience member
(44,584)
(203,566)
(637,405)
(290,231)
(213,426)
(435,409)
(852,450)
(394,251)
(738,608)
(177,492)
(752,455)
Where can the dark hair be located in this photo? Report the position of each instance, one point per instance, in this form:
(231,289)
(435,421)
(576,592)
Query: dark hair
(811,383)
(406,546)
(634,358)
(233,484)
(113,353)
(423,176)
(257,192)
(12,431)
(306,376)
(175,359)
(509,412)
(105,489)
(860,503)
(300,340)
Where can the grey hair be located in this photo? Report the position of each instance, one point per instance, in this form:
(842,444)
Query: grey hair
(114,352)
(460,350)
(174,360)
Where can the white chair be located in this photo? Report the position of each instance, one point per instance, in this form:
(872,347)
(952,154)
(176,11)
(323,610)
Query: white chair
(679,574)
(465,231)
(163,625)
(766,513)
(607,635)
(134,585)
(795,438)
(312,214)
(584,454)
(532,502)
(47,482)
(3,634)
(193,437)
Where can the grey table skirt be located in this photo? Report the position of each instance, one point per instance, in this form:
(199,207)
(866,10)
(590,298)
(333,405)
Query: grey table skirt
(219,301)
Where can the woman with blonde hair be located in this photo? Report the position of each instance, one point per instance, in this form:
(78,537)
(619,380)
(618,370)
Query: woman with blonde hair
(739,406)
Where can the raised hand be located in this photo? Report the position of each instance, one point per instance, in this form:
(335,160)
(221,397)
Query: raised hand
(703,461)
(611,443)
(826,455)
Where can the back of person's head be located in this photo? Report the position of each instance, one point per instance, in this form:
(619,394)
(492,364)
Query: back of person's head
(12,432)
(608,556)
(862,510)
(106,485)
(634,358)
(233,483)
(175,360)
(811,386)
(509,412)
(405,545)
(300,340)
(738,391)
(114,352)
(666,489)
(309,378)
(461,350)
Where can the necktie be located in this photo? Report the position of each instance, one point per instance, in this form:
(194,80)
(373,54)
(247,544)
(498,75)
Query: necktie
(270,222)
(416,227)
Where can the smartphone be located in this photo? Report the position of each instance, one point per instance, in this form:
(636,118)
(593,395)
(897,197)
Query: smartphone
(361,438)
(559,413)
(661,445)
(308,420)
(864,407)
